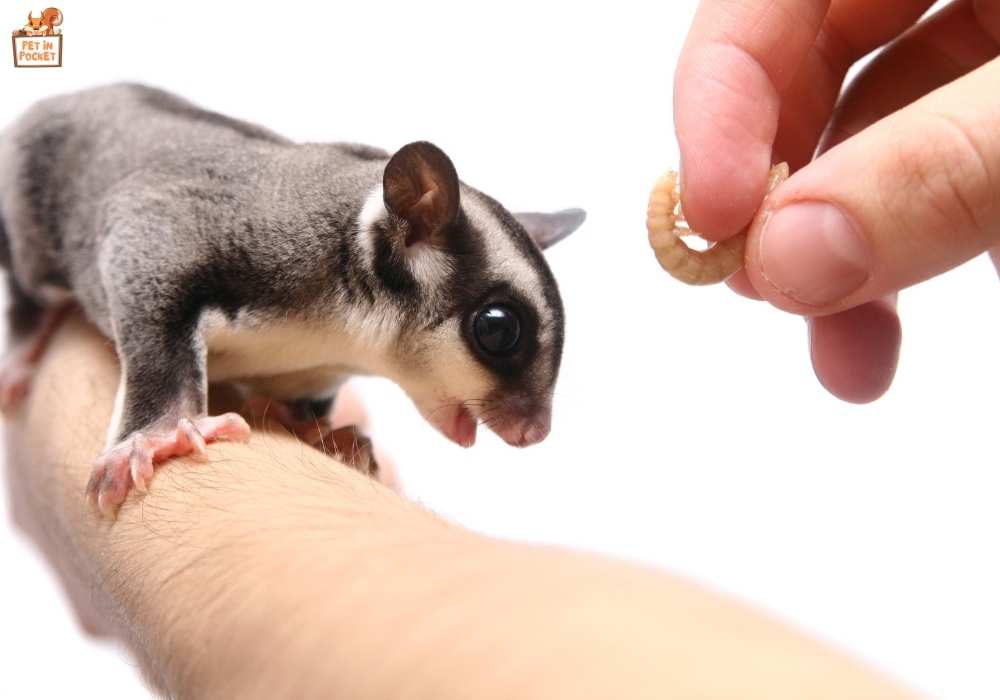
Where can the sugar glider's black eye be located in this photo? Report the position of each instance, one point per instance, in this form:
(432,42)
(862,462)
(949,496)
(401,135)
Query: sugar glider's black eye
(497,330)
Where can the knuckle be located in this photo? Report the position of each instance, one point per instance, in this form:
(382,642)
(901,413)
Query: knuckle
(952,169)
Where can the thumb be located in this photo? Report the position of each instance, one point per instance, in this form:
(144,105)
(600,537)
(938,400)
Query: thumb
(911,196)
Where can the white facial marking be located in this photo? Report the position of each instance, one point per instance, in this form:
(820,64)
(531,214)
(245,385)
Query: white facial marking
(504,257)
(451,372)
(372,211)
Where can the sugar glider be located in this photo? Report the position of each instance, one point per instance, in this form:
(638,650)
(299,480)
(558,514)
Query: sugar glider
(213,250)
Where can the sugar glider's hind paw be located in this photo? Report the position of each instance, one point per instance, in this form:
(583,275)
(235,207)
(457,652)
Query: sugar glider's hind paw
(16,373)
(18,367)
(131,462)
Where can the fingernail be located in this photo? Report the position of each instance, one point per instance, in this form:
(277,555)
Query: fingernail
(813,253)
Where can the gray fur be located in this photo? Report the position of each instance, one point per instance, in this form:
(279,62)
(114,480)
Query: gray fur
(150,212)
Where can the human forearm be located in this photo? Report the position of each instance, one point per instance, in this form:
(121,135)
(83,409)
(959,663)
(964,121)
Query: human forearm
(274,572)
(226,538)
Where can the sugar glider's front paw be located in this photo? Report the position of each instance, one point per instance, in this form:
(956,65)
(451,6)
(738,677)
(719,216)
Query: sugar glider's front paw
(309,421)
(354,449)
(131,461)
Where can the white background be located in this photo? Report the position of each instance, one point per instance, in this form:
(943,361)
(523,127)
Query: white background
(689,430)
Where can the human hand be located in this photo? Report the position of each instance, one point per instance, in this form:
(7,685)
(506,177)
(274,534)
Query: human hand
(906,187)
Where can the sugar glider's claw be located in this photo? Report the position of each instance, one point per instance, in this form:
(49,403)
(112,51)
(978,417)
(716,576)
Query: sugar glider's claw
(132,461)
(191,439)
(140,463)
(691,266)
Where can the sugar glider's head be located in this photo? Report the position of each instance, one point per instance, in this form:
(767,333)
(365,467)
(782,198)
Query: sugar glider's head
(480,315)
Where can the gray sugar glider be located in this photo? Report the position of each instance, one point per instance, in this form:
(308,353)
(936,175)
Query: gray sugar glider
(213,250)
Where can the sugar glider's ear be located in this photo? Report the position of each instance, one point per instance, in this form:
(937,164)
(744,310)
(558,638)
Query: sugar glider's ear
(420,186)
(548,229)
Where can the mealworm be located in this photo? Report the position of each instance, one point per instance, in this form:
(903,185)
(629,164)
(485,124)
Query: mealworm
(665,223)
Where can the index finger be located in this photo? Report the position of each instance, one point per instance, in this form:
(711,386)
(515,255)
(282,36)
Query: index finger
(737,59)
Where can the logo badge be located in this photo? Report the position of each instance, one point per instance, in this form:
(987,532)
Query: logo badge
(38,44)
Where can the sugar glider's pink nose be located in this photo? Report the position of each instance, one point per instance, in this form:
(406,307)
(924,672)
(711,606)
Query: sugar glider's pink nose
(526,431)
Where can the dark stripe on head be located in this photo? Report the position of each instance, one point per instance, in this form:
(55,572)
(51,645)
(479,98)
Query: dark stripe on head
(470,275)
(390,267)
(532,253)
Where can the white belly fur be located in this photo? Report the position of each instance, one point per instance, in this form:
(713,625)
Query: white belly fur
(264,350)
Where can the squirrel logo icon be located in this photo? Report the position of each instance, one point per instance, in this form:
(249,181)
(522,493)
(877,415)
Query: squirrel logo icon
(39,43)
(45,25)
